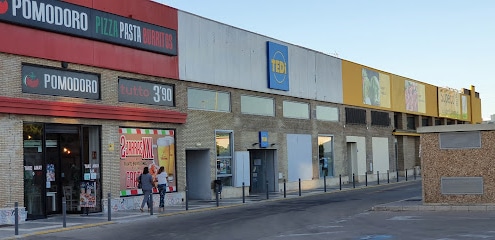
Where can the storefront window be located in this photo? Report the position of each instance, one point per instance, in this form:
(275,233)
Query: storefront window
(257,105)
(325,153)
(224,156)
(296,110)
(325,113)
(208,100)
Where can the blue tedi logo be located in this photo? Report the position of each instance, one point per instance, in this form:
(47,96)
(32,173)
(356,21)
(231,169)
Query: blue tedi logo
(278,66)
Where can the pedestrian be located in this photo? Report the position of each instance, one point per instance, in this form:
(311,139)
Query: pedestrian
(147,186)
(162,186)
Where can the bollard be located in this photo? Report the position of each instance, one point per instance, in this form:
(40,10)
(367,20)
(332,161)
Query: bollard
(388,176)
(299,187)
(151,203)
(378,177)
(325,183)
(285,192)
(187,198)
(340,182)
(64,212)
(406,175)
(267,196)
(16,217)
(353,181)
(366,178)
(109,207)
(243,194)
(397,172)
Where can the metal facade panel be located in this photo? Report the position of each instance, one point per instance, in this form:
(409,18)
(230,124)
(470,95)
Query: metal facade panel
(329,79)
(215,53)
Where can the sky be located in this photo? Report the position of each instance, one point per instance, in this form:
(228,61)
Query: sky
(443,43)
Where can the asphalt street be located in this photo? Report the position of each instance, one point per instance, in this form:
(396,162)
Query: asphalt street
(333,215)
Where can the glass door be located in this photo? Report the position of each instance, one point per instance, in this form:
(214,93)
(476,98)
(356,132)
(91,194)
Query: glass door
(34,179)
(63,167)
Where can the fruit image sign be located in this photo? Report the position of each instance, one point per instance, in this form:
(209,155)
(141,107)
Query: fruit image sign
(57,82)
(71,19)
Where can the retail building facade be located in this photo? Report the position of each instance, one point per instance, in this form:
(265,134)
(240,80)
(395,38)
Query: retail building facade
(93,91)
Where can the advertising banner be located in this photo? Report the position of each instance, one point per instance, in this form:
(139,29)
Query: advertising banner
(141,148)
(449,103)
(376,88)
(464,107)
(415,96)
(145,92)
(70,19)
(88,194)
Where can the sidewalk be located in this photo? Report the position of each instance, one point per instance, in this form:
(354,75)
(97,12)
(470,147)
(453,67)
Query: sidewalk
(78,221)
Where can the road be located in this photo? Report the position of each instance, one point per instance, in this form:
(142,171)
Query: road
(336,215)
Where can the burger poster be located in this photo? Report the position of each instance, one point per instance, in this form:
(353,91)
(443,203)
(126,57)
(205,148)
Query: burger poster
(140,148)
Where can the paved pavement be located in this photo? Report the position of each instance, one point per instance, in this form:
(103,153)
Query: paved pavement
(78,221)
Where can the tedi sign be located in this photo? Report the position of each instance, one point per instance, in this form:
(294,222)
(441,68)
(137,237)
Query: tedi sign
(56,82)
(278,66)
(67,18)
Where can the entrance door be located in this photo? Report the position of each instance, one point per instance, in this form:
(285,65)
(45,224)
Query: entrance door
(262,171)
(57,160)
(63,168)
(351,159)
(198,179)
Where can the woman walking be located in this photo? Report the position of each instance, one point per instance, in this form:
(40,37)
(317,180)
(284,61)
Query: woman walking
(147,186)
(162,186)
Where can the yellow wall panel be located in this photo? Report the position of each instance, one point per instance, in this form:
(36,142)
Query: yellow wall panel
(431,93)
(398,99)
(476,110)
(352,83)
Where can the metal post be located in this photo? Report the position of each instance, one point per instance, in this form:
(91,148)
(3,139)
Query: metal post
(406,175)
(353,181)
(378,177)
(187,198)
(340,181)
(64,213)
(366,178)
(299,187)
(16,217)
(324,183)
(109,207)
(397,172)
(285,192)
(243,194)
(151,203)
(388,176)
(267,196)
